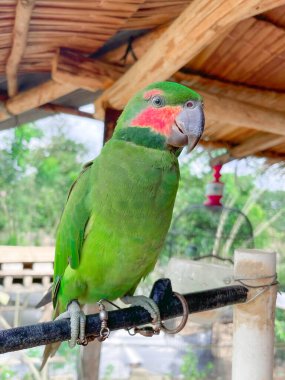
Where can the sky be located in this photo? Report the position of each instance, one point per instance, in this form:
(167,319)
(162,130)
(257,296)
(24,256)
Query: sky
(86,131)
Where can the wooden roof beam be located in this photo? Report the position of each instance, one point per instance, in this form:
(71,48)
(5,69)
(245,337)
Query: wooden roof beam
(73,68)
(255,144)
(34,98)
(260,97)
(92,75)
(37,96)
(71,71)
(239,114)
(202,22)
(252,146)
(20,35)
(271,158)
(57,108)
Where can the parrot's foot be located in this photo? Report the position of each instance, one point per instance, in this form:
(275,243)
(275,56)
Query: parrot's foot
(148,304)
(77,323)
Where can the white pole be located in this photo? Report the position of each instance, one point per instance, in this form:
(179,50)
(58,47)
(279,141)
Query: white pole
(253,340)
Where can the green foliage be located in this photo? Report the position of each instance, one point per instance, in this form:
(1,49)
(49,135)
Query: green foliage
(195,229)
(280,325)
(108,372)
(69,355)
(6,373)
(190,367)
(36,172)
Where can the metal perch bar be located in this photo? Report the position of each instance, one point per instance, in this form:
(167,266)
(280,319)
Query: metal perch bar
(43,333)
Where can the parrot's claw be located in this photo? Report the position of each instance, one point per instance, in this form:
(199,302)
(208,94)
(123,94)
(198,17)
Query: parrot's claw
(148,304)
(77,324)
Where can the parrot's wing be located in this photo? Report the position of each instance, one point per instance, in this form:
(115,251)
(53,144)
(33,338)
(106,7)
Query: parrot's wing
(71,231)
(72,226)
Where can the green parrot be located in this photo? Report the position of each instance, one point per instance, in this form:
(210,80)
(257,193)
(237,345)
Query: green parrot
(119,209)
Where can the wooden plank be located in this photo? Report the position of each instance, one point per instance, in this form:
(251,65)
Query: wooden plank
(37,96)
(21,254)
(205,54)
(90,355)
(241,114)
(197,26)
(271,158)
(73,68)
(139,46)
(226,48)
(258,143)
(57,108)
(252,146)
(264,98)
(25,272)
(20,34)
(271,99)
(4,114)
(221,107)
(116,15)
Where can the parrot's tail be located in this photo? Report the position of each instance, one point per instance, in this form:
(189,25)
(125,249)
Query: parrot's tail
(49,351)
(47,298)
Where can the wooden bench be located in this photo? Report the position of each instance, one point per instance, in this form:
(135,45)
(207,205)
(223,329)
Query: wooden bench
(26,266)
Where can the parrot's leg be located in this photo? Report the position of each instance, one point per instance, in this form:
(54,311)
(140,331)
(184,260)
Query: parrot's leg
(148,304)
(77,323)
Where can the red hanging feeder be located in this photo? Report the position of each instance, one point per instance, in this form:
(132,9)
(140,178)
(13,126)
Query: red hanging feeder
(215,189)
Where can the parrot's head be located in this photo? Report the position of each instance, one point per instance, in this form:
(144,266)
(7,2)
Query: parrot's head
(164,115)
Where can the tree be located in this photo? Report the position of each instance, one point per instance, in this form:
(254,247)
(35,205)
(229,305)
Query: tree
(36,172)
(194,229)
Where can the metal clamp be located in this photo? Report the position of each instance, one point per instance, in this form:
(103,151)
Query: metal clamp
(103,315)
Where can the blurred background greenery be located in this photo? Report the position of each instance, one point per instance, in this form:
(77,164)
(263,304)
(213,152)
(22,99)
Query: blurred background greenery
(37,168)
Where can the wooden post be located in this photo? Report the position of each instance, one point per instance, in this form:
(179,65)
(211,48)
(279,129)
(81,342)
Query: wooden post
(253,340)
(90,355)
(111,117)
(20,35)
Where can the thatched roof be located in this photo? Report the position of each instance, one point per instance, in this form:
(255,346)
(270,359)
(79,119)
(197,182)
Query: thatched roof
(66,53)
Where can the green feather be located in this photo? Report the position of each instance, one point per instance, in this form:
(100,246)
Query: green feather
(128,205)
(141,136)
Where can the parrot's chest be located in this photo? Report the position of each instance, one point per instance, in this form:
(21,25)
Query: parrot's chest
(129,228)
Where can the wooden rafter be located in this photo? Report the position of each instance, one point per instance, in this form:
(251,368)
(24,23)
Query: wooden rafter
(197,26)
(240,114)
(258,143)
(91,75)
(57,108)
(20,34)
(230,111)
(272,100)
(73,68)
(259,97)
(272,157)
(201,24)
(139,46)
(37,96)
(251,146)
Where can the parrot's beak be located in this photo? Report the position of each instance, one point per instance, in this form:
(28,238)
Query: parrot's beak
(187,127)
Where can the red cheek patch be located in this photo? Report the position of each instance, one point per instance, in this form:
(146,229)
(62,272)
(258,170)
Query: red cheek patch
(159,119)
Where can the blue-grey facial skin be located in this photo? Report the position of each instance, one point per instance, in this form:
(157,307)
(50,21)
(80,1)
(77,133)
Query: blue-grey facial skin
(188,126)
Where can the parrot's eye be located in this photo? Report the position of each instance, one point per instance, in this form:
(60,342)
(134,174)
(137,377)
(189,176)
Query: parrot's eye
(157,101)
(190,104)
